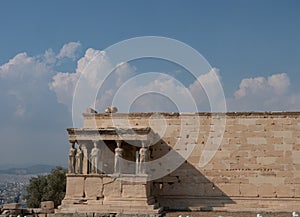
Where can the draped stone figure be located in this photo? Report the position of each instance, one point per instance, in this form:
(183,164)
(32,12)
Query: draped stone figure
(144,157)
(79,160)
(94,158)
(72,160)
(118,156)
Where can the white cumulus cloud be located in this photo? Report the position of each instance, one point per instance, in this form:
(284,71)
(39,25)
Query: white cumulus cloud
(265,94)
(279,82)
(276,84)
(146,92)
(69,50)
(95,69)
(31,118)
(23,80)
(207,91)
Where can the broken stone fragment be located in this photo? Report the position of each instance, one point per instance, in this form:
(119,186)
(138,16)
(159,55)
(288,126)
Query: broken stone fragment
(111,109)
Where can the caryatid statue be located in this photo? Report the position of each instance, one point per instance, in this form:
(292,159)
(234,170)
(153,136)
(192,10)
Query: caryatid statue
(144,157)
(72,160)
(94,158)
(118,156)
(79,160)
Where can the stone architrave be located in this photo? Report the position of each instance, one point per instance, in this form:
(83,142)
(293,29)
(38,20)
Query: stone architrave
(95,156)
(144,155)
(72,158)
(118,157)
(79,160)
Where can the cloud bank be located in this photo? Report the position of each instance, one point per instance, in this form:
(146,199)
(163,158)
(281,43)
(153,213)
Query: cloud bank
(36,97)
(32,121)
(265,94)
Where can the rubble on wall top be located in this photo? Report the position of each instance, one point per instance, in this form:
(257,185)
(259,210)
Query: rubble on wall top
(175,114)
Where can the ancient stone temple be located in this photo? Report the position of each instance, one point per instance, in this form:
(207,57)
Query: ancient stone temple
(146,162)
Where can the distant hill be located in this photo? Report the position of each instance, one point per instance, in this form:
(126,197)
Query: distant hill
(35,169)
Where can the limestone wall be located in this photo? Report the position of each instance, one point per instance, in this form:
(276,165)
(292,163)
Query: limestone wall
(257,165)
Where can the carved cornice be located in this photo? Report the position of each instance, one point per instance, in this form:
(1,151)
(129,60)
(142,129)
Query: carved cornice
(76,134)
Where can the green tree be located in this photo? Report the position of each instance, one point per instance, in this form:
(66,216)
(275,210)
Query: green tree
(49,187)
(56,186)
(35,191)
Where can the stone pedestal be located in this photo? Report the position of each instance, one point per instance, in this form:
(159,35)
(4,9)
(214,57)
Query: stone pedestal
(125,193)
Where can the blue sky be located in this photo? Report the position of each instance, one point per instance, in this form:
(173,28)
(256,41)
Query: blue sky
(253,46)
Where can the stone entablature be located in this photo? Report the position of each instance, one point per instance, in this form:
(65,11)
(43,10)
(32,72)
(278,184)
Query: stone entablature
(256,167)
(112,133)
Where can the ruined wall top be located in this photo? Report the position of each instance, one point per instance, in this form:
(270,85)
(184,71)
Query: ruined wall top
(103,120)
(175,114)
